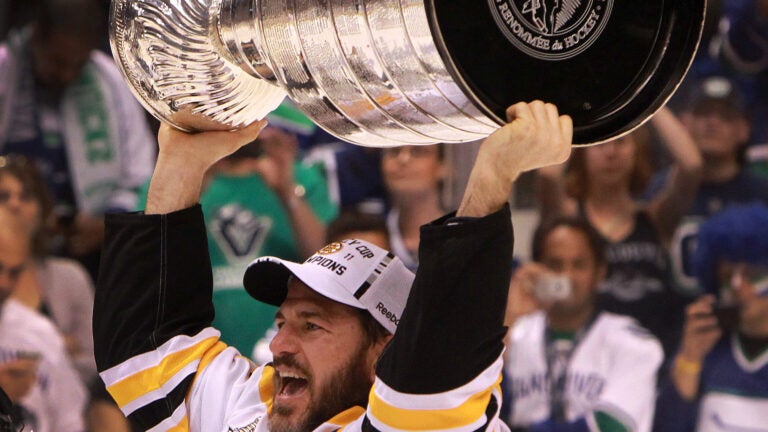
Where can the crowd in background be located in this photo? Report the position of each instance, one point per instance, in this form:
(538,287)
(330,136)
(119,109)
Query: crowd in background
(661,323)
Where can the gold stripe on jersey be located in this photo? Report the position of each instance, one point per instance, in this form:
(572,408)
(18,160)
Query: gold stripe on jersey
(401,418)
(152,358)
(267,387)
(210,355)
(173,367)
(347,416)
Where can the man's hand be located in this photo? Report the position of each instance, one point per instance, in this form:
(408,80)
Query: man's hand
(536,136)
(183,160)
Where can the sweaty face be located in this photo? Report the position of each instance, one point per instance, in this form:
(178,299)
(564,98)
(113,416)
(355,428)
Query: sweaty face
(566,251)
(322,361)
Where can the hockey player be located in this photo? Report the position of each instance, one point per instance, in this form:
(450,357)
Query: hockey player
(168,371)
(719,378)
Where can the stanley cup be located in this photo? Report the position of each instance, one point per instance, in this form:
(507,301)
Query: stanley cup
(401,72)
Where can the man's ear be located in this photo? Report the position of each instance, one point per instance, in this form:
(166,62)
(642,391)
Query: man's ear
(374,352)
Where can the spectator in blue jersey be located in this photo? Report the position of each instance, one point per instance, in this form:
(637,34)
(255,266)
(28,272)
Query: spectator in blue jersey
(744,49)
(717,118)
(353,172)
(569,366)
(65,104)
(719,379)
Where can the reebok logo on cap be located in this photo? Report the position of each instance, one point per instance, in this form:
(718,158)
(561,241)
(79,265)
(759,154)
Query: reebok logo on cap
(352,272)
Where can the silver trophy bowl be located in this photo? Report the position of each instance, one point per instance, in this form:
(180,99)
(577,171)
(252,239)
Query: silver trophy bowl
(388,72)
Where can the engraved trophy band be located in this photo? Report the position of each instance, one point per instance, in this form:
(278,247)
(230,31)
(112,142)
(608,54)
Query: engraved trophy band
(405,72)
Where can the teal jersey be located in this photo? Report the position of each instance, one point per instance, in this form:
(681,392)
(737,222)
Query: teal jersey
(245,219)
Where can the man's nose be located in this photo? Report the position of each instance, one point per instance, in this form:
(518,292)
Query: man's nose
(284,342)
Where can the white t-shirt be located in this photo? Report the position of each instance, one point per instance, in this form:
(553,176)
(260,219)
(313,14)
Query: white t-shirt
(612,369)
(58,398)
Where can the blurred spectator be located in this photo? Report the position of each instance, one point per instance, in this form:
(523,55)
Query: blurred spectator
(59,288)
(18,375)
(569,366)
(719,381)
(601,184)
(716,117)
(744,48)
(353,172)
(352,224)
(56,400)
(413,176)
(103,414)
(260,201)
(10,421)
(66,105)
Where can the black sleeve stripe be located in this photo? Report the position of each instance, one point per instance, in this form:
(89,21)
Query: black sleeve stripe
(153,413)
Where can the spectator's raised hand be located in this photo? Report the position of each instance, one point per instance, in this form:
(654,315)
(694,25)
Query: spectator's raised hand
(701,330)
(276,166)
(700,334)
(522,299)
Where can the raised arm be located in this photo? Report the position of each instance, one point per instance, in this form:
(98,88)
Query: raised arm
(184,159)
(153,306)
(442,369)
(536,136)
(677,194)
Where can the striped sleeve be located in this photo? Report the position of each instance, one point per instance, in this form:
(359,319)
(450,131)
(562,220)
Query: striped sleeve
(152,314)
(471,407)
(161,378)
(442,370)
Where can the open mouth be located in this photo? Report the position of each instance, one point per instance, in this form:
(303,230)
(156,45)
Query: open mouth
(291,384)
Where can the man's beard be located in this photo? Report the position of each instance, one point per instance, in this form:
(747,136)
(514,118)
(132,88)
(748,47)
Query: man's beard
(349,386)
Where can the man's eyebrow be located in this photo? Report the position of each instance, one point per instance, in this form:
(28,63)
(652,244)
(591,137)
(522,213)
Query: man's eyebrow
(311,314)
(305,314)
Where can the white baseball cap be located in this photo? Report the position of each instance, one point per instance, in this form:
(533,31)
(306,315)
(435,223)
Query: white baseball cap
(353,272)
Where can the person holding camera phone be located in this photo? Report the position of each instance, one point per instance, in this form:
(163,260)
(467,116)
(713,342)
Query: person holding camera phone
(569,366)
(719,379)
